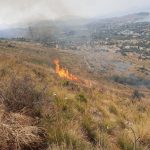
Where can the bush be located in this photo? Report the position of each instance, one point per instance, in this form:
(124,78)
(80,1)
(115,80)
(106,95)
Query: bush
(22,94)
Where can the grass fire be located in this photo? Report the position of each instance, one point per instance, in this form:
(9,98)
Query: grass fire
(63,72)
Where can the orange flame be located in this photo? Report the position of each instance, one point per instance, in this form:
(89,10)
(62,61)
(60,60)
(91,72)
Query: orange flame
(64,73)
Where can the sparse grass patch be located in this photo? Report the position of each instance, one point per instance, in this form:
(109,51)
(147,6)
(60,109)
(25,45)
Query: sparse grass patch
(141,108)
(121,123)
(142,132)
(90,129)
(124,142)
(108,126)
(59,136)
(81,108)
(104,143)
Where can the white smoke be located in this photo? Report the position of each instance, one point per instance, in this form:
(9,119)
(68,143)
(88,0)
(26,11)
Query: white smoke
(14,11)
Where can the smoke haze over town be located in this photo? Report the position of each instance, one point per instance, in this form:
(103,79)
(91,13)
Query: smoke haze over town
(20,11)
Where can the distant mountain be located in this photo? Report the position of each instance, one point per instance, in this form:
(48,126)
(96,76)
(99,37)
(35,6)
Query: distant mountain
(131,18)
(13,33)
(145,18)
(70,28)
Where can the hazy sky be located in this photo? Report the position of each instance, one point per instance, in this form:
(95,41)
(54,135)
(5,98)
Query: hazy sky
(13,11)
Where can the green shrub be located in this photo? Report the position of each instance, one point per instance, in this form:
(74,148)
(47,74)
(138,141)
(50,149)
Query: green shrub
(65,82)
(81,97)
(113,109)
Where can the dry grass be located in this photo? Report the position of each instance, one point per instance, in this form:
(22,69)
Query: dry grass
(21,137)
(17,132)
(74,116)
(21,95)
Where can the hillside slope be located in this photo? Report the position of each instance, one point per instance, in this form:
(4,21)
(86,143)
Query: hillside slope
(40,110)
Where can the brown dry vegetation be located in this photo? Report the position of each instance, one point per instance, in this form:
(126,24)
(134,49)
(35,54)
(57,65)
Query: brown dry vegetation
(40,111)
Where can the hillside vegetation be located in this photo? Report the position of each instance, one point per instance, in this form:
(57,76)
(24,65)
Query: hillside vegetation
(41,111)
